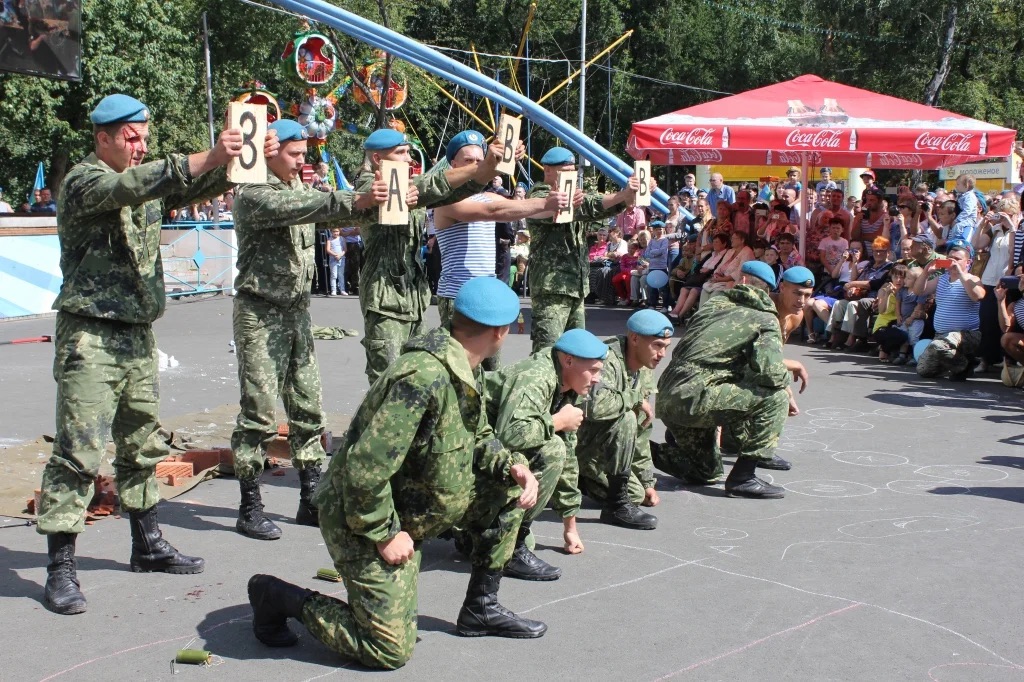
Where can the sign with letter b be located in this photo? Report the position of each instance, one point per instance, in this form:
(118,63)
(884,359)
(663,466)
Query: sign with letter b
(508,135)
(251,119)
(394,210)
(642,170)
(567,184)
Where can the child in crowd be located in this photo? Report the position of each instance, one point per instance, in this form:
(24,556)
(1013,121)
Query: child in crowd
(336,252)
(967,203)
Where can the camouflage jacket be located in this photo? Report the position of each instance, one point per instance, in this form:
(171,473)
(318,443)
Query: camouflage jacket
(734,338)
(109,227)
(559,262)
(619,391)
(275,225)
(521,399)
(415,446)
(393,280)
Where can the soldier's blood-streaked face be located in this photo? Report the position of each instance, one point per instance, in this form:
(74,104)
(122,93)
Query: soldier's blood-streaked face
(287,165)
(125,148)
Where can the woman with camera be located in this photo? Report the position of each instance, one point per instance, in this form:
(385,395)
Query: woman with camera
(993,249)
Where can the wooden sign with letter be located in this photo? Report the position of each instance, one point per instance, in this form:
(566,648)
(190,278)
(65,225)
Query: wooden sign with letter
(567,184)
(394,211)
(251,119)
(508,135)
(642,170)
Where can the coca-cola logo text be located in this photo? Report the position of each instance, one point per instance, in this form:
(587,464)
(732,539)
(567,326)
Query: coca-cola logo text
(891,160)
(697,137)
(821,139)
(793,158)
(953,142)
(698,156)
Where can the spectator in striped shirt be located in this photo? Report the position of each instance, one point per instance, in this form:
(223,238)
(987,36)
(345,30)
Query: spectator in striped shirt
(958,296)
(1011,319)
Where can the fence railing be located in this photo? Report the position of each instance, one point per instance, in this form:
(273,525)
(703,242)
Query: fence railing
(201,260)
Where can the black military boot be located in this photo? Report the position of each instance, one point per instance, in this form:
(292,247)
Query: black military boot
(482,615)
(252,522)
(743,483)
(62,594)
(273,602)
(619,510)
(308,514)
(150,552)
(525,565)
(776,463)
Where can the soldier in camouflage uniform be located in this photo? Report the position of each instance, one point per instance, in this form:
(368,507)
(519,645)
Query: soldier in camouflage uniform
(108,217)
(613,447)
(406,473)
(559,264)
(275,224)
(531,405)
(726,370)
(394,290)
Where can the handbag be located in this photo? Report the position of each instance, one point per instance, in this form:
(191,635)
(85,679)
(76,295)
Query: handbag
(1012,375)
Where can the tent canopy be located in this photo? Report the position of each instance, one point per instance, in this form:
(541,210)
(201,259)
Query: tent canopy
(811,120)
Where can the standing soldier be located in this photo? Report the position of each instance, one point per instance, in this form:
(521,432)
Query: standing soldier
(275,222)
(108,218)
(559,266)
(405,473)
(394,290)
(531,405)
(727,370)
(614,449)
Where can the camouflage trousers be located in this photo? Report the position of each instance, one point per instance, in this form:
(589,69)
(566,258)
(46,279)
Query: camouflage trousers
(377,626)
(950,352)
(383,341)
(446,309)
(107,385)
(553,315)
(755,416)
(615,447)
(493,520)
(276,358)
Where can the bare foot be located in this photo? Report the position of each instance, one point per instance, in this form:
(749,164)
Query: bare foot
(651,498)
(571,536)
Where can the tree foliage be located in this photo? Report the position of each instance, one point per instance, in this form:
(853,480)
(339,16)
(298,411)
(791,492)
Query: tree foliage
(153,49)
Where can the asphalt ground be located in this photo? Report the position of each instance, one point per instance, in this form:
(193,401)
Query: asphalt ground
(894,555)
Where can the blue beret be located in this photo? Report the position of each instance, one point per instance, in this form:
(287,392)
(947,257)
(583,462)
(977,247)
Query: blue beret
(487,301)
(119,109)
(581,344)
(756,268)
(558,156)
(385,138)
(981,199)
(650,322)
(289,130)
(463,139)
(798,275)
(960,244)
(657,223)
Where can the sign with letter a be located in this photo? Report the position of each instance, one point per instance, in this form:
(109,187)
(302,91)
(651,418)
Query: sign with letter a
(508,135)
(251,119)
(567,184)
(642,170)
(394,211)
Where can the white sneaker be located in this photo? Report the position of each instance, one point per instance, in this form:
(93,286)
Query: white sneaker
(343,293)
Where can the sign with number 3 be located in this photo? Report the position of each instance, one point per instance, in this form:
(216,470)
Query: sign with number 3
(251,119)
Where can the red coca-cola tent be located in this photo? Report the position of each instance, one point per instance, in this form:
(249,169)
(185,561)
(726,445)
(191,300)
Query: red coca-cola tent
(813,121)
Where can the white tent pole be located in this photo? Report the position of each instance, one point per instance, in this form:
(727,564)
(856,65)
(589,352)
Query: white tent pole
(804,212)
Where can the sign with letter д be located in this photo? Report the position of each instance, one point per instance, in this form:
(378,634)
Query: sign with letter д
(567,184)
